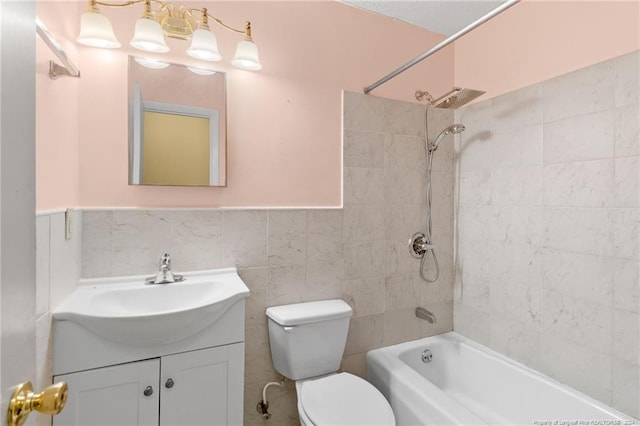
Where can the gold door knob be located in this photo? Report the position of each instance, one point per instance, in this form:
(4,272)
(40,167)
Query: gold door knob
(50,401)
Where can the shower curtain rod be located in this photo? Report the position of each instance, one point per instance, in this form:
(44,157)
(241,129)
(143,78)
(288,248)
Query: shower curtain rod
(442,44)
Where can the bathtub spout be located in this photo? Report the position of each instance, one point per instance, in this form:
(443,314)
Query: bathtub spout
(424,314)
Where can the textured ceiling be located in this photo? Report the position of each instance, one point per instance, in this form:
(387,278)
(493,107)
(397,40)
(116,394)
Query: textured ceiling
(440,16)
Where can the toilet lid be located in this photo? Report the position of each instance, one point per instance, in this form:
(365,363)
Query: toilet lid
(344,399)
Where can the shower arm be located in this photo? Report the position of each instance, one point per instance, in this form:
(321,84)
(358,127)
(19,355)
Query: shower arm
(446,95)
(442,44)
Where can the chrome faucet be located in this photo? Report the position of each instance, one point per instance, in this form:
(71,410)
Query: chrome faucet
(164,275)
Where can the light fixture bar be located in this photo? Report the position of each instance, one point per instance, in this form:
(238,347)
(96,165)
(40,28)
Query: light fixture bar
(120,4)
(167,20)
(222,24)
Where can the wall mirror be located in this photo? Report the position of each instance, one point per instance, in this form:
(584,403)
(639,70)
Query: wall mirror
(177,124)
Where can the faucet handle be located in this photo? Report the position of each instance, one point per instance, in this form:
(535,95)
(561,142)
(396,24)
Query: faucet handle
(165,261)
(164,275)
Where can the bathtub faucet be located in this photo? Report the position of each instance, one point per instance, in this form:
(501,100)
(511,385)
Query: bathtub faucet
(426,315)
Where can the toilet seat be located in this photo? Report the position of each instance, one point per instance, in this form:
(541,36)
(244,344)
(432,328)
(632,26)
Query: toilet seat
(343,399)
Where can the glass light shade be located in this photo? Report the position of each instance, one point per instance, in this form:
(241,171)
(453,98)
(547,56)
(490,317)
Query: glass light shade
(247,56)
(204,46)
(149,37)
(201,71)
(151,63)
(96,31)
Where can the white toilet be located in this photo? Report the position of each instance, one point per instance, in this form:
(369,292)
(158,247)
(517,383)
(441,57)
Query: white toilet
(307,342)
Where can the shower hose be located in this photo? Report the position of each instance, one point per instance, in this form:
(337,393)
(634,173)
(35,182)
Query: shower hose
(430,249)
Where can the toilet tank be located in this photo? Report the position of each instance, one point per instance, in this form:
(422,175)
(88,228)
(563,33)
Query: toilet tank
(308,339)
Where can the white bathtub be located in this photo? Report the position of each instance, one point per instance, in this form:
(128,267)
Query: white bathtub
(469,384)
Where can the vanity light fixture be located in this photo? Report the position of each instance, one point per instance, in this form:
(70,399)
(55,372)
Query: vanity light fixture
(167,20)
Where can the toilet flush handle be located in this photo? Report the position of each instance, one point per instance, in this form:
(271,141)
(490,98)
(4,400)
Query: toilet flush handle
(288,329)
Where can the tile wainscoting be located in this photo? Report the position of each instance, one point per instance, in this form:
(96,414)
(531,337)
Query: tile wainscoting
(58,258)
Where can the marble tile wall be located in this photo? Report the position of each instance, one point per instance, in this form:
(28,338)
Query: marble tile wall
(57,274)
(358,253)
(548,228)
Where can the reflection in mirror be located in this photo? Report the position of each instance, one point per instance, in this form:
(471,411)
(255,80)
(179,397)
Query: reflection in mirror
(177,124)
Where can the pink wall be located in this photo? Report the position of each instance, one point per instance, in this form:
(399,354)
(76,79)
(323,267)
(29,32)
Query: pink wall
(537,40)
(284,123)
(57,115)
(284,136)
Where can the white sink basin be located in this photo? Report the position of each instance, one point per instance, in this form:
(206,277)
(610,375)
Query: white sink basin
(126,310)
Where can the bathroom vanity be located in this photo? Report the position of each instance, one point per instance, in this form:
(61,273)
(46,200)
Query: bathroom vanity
(181,363)
(196,387)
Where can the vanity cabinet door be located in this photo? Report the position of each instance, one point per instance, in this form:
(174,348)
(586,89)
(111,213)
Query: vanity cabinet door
(203,387)
(126,394)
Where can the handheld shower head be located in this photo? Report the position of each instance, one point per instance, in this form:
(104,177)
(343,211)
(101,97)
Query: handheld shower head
(451,130)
